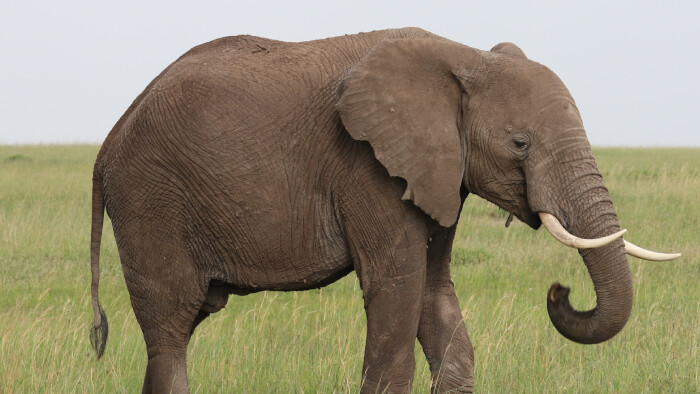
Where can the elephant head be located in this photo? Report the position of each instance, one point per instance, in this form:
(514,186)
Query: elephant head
(447,118)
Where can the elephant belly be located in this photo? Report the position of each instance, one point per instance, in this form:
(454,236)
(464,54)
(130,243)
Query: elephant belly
(286,265)
(272,244)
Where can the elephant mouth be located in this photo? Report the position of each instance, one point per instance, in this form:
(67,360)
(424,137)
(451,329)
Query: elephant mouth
(518,205)
(520,209)
(527,216)
(523,211)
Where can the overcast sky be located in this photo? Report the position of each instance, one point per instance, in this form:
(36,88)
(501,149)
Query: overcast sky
(69,69)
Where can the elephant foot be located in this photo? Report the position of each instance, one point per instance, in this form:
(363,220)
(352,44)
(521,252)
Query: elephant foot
(166,373)
(385,386)
(447,381)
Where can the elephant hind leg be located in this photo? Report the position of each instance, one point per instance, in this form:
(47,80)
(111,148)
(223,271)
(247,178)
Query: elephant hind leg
(167,292)
(166,373)
(167,319)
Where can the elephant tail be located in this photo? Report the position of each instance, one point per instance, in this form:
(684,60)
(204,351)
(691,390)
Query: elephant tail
(99,328)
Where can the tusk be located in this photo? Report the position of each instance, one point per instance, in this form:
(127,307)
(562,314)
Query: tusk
(636,251)
(555,228)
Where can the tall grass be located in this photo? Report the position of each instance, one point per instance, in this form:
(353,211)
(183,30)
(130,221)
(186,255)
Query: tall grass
(313,341)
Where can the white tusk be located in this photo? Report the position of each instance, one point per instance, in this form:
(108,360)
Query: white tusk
(636,251)
(557,230)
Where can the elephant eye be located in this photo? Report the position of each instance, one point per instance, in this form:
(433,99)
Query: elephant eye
(521,141)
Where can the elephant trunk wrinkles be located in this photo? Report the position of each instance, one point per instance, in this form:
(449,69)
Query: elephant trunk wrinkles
(591,215)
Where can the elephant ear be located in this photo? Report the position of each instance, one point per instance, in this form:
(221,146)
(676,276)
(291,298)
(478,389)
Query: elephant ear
(405,99)
(509,48)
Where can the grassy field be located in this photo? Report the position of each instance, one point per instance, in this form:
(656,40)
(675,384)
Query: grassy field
(313,341)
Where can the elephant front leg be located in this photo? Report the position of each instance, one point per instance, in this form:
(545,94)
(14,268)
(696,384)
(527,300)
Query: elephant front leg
(393,312)
(391,270)
(441,331)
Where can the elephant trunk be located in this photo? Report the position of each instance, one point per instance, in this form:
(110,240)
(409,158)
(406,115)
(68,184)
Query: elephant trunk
(612,281)
(588,213)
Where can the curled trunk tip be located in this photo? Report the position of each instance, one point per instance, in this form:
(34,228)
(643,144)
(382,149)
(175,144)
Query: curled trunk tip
(572,324)
(568,321)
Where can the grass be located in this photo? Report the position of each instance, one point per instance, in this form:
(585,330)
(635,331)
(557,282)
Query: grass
(313,341)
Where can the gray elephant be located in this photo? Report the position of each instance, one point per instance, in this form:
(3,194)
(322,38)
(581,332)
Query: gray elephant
(251,164)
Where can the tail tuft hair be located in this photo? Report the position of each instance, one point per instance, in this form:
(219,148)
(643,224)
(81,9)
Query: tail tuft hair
(98,334)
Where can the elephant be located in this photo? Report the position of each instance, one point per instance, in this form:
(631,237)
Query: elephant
(251,164)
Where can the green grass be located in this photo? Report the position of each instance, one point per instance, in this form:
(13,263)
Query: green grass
(313,341)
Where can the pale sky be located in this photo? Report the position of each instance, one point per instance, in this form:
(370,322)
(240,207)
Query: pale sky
(69,69)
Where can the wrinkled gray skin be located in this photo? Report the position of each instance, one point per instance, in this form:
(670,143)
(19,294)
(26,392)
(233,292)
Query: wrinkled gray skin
(251,164)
